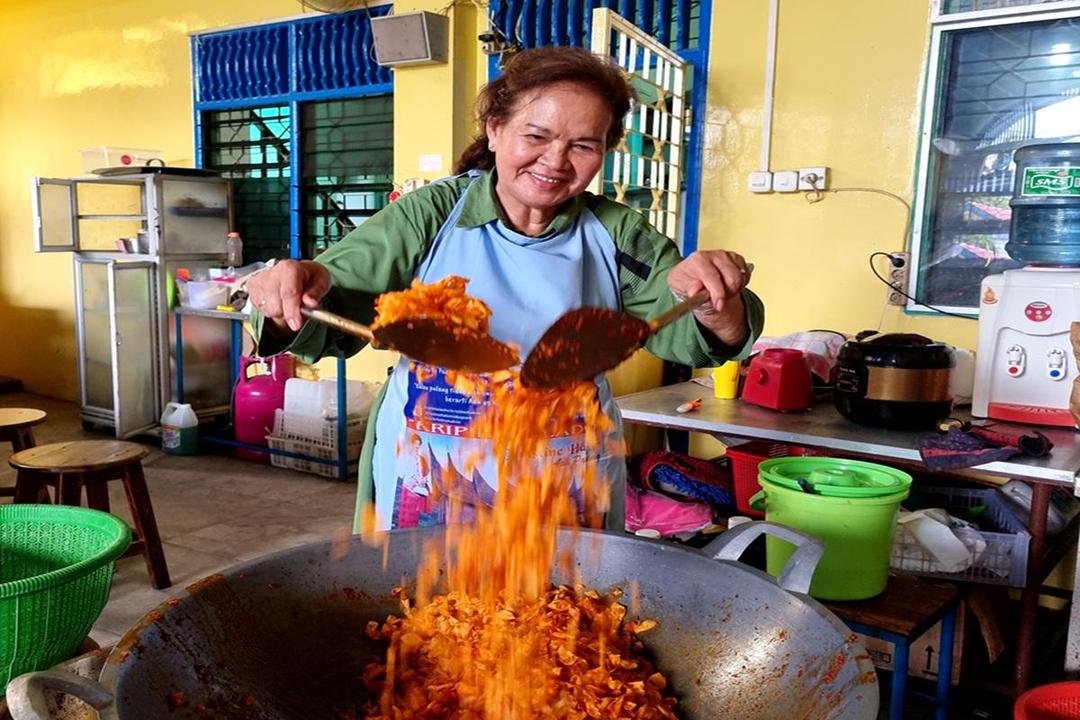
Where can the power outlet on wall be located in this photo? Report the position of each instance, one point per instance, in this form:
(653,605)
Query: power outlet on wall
(898,277)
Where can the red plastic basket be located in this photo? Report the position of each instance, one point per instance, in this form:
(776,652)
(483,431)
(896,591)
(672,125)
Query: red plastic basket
(1057,701)
(745,459)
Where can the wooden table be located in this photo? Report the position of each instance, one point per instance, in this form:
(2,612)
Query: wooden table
(91,464)
(16,427)
(733,421)
(908,608)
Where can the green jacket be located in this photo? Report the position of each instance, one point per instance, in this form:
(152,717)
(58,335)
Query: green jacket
(383,254)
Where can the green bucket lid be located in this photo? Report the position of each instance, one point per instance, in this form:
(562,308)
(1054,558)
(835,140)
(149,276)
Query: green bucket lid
(833,477)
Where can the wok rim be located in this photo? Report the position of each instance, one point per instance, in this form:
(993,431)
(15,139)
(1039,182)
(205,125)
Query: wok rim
(847,641)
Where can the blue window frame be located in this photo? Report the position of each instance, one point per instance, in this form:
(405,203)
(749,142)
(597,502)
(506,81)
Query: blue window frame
(265,96)
(682,25)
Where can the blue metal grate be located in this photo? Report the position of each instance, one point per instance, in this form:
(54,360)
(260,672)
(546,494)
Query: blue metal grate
(682,25)
(249,63)
(307,59)
(537,23)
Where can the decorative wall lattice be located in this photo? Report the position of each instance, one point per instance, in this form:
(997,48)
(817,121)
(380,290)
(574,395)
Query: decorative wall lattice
(646,169)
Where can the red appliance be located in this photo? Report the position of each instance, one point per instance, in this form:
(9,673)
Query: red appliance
(779,379)
(257,398)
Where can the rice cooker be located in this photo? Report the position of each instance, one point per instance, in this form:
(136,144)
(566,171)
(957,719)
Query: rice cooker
(894,380)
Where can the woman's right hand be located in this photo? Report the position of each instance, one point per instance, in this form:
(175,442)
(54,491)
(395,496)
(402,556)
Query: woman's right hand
(278,293)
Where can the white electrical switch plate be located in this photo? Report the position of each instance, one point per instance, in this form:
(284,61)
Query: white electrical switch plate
(431,163)
(813,178)
(785,181)
(760,182)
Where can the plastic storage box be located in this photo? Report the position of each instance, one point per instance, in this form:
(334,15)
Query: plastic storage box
(102,156)
(316,438)
(745,459)
(1004,562)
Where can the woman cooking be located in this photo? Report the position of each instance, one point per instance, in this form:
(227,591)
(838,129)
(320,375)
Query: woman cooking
(517,223)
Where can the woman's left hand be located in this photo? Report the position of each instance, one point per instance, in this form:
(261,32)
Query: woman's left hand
(723,274)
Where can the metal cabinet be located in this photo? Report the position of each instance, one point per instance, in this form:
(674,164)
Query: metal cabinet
(129,236)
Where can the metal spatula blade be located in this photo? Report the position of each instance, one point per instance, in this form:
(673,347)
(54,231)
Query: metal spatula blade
(429,341)
(584,343)
(433,342)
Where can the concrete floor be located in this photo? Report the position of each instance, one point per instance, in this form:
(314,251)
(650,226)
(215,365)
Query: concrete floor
(213,511)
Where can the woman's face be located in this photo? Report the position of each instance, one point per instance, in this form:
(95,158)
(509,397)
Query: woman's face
(551,147)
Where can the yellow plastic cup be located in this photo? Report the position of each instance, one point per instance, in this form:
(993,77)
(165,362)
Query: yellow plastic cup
(726,380)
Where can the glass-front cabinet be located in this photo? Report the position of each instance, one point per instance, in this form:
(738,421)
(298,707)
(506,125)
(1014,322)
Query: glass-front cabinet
(118,378)
(129,236)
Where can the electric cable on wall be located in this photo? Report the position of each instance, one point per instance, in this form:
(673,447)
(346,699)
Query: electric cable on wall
(912,298)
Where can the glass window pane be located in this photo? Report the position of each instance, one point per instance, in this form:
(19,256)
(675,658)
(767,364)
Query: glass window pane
(1001,88)
(348,166)
(959,6)
(251,146)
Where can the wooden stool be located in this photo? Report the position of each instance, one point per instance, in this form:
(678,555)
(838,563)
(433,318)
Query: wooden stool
(908,608)
(70,466)
(16,427)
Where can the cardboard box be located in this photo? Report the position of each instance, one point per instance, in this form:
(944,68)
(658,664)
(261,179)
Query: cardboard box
(922,653)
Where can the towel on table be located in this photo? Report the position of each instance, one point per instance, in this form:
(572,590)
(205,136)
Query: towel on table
(962,448)
(687,477)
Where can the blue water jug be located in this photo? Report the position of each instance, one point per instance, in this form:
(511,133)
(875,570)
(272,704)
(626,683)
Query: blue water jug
(1045,227)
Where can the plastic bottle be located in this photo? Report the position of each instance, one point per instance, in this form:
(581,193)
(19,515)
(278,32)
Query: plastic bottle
(234,250)
(179,429)
(1045,223)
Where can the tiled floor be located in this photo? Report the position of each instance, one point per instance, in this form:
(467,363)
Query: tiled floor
(212,510)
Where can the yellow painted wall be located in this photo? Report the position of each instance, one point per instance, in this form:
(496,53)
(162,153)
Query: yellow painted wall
(76,75)
(118,73)
(847,96)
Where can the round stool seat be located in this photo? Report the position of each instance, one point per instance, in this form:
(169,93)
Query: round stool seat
(19,418)
(78,456)
(72,467)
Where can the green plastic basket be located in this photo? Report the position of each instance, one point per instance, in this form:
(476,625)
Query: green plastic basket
(56,567)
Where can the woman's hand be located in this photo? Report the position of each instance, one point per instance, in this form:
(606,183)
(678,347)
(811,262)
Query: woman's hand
(279,292)
(723,274)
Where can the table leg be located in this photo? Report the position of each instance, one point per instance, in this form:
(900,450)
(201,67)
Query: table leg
(142,514)
(898,694)
(945,663)
(23,440)
(69,489)
(342,422)
(1029,597)
(28,485)
(236,334)
(179,357)
(1072,648)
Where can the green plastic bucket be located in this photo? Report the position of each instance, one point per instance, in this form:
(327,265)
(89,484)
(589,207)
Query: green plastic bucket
(56,567)
(849,505)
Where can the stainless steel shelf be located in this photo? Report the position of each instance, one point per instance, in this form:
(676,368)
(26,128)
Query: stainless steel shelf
(112,218)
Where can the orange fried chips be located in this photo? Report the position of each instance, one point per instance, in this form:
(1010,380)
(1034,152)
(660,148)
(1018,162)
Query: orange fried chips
(487,637)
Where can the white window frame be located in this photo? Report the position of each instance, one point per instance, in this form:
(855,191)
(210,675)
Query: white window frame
(942,23)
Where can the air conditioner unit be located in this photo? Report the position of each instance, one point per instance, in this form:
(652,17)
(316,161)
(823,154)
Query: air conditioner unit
(411,38)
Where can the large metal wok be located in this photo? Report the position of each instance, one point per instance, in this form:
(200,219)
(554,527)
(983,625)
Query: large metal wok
(282,637)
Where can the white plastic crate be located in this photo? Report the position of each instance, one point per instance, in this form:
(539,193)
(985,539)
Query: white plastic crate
(316,438)
(1004,562)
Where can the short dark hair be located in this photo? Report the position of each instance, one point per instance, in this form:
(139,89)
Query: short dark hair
(541,67)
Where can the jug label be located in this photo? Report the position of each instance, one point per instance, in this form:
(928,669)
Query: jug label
(170,436)
(1063,181)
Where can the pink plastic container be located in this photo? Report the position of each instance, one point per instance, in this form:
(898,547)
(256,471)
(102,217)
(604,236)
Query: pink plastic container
(255,400)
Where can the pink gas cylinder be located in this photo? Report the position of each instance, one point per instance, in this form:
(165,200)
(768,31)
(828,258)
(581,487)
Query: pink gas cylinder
(255,400)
